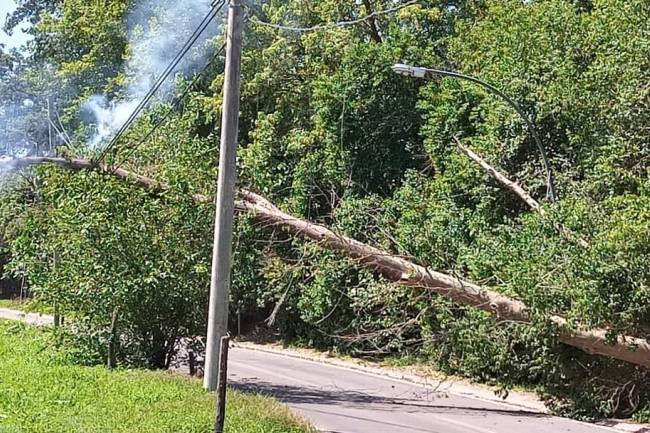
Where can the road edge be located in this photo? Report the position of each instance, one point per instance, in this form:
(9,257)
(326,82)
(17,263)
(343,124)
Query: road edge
(35,319)
(516,399)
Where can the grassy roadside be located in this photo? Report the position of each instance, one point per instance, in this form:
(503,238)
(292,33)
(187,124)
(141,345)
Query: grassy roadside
(13,304)
(27,306)
(41,393)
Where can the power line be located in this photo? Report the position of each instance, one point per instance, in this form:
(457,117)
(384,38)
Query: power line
(169,112)
(164,76)
(214,11)
(335,25)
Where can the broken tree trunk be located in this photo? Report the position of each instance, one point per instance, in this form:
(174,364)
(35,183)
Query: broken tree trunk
(397,269)
(519,192)
(404,272)
(503,180)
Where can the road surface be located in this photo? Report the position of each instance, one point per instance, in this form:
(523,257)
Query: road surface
(340,400)
(29,318)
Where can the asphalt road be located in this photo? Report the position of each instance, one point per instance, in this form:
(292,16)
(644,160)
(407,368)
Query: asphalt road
(29,318)
(340,400)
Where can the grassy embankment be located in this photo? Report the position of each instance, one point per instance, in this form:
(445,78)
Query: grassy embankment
(40,392)
(13,304)
(28,306)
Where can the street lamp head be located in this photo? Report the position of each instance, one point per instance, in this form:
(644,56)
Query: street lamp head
(410,71)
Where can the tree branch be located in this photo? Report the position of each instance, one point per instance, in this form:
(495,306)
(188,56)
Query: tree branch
(397,269)
(503,180)
(372,23)
(519,192)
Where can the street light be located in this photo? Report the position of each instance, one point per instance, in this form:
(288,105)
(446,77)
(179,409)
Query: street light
(427,74)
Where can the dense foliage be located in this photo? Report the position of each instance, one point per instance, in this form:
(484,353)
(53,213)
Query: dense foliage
(330,133)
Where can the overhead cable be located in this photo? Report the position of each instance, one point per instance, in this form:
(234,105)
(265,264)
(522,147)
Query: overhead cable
(214,11)
(335,25)
(169,112)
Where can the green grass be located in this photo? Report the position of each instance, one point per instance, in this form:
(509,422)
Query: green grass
(40,392)
(13,304)
(28,306)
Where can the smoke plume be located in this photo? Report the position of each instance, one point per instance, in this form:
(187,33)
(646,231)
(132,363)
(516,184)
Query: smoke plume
(14,120)
(158,29)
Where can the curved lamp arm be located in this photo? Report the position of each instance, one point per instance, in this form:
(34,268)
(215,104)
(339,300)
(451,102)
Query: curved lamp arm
(427,73)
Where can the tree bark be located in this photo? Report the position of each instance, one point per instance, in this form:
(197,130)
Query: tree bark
(521,193)
(503,180)
(111,361)
(372,23)
(396,269)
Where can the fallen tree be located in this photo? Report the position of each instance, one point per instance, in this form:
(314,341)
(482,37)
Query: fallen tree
(397,269)
(515,188)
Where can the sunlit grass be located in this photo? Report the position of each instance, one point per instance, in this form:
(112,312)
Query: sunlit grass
(14,304)
(41,393)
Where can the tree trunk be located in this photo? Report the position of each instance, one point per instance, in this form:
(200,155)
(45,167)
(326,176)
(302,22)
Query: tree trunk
(521,193)
(397,269)
(372,23)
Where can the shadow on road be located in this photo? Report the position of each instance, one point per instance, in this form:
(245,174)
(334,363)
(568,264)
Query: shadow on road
(410,403)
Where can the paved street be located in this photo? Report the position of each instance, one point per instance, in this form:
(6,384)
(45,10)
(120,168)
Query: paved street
(29,318)
(339,400)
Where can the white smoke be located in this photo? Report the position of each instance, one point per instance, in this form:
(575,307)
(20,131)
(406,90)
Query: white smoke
(109,115)
(12,119)
(6,163)
(158,29)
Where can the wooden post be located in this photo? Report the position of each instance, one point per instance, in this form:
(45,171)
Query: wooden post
(192,362)
(57,318)
(112,342)
(222,249)
(239,319)
(221,386)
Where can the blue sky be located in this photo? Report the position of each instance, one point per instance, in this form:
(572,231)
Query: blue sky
(18,38)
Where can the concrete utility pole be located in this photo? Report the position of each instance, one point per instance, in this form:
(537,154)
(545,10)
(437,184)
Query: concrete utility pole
(221,255)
